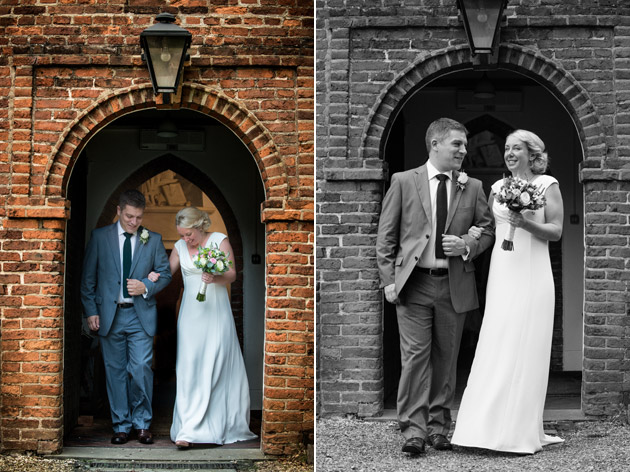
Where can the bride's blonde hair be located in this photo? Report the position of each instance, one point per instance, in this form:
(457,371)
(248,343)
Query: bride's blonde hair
(539,160)
(191,217)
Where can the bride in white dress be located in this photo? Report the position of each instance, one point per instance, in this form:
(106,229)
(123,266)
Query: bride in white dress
(212,401)
(503,403)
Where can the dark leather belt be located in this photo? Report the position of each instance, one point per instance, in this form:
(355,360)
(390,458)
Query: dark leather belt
(433,272)
(125,305)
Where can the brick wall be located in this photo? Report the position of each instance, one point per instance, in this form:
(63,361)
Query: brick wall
(68,69)
(368,62)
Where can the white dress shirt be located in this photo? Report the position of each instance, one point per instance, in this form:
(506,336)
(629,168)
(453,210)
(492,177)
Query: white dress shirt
(121,242)
(428,259)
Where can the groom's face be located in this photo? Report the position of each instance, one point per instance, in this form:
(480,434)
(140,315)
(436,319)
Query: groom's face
(130,218)
(448,154)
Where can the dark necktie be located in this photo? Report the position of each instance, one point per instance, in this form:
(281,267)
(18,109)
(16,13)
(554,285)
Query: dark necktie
(126,262)
(440,211)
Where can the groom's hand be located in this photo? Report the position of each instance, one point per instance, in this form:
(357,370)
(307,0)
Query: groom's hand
(135,287)
(453,245)
(94,322)
(390,293)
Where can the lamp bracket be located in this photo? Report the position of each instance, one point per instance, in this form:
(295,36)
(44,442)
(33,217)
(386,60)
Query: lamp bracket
(483,62)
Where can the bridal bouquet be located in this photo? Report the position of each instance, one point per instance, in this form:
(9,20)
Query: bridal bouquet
(518,195)
(212,260)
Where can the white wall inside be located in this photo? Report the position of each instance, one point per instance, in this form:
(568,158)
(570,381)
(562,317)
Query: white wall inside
(114,154)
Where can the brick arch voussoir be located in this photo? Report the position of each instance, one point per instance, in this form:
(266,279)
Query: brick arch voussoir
(558,81)
(211,102)
(245,125)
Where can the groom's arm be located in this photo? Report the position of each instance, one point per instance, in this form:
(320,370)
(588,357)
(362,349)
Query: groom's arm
(161,266)
(484,220)
(387,239)
(89,278)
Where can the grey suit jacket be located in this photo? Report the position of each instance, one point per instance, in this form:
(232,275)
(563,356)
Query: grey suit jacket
(405,227)
(101,279)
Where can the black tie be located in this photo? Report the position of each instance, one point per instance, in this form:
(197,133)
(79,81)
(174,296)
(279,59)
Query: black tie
(126,262)
(441,212)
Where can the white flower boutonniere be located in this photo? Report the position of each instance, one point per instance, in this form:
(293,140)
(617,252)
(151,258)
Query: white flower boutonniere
(144,236)
(462,180)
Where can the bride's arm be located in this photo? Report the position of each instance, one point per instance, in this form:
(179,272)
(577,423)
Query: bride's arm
(551,229)
(229,276)
(173,260)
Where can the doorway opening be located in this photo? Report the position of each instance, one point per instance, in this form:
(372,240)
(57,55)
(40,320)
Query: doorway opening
(516,102)
(172,172)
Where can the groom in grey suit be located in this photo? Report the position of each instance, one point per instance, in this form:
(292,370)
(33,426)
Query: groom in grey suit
(424,256)
(119,302)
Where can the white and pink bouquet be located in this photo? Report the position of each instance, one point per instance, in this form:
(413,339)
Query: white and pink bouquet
(518,195)
(212,260)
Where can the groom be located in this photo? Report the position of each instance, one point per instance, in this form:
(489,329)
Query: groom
(119,302)
(424,257)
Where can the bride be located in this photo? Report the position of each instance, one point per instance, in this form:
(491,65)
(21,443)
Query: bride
(212,400)
(503,403)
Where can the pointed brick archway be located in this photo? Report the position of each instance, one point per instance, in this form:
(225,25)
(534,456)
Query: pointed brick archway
(205,183)
(41,205)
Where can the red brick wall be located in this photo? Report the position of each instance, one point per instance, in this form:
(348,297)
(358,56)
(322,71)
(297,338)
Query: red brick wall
(68,69)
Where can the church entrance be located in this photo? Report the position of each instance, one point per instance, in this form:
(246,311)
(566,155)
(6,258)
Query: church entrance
(176,159)
(490,104)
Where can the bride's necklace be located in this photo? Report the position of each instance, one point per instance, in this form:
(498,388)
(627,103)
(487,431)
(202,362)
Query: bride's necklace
(528,178)
(193,251)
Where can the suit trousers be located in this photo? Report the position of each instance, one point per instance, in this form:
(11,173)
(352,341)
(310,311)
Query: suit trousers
(128,355)
(430,334)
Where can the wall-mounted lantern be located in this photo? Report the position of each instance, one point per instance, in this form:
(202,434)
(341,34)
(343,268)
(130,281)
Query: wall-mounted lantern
(165,47)
(482,20)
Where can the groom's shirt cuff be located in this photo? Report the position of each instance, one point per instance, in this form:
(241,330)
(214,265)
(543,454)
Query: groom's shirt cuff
(466,255)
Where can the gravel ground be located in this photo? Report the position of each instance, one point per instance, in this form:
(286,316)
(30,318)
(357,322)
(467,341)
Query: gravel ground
(33,463)
(349,444)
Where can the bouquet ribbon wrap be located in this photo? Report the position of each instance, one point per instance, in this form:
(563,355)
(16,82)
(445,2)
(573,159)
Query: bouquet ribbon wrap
(201,296)
(508,242)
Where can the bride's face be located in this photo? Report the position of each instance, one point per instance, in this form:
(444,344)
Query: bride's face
(516,156)
(192,236)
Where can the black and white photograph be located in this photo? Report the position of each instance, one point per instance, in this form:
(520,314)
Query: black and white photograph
(472,235)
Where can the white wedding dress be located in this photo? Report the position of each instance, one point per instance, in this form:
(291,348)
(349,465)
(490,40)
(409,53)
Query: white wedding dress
(503,403)
(212,402)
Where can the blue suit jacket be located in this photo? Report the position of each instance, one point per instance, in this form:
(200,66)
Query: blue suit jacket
(100,284)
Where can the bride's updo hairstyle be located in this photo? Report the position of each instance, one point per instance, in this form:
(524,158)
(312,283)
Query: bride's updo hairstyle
(191,217)
(538,159)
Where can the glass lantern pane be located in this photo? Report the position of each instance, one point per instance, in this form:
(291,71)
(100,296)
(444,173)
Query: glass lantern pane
(166,55)
(483,18)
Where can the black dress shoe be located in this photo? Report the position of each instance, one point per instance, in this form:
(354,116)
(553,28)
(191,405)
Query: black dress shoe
(439,442)
(414,446)
(145,436)
(120,438)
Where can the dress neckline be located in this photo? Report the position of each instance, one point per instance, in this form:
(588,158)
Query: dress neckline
(190,256)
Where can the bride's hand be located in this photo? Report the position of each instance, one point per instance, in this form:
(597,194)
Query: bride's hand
(153,277)
(475,232)
(207,278)
(516,219)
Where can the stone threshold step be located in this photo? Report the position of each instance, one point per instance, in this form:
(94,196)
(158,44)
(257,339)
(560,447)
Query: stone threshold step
(159,455)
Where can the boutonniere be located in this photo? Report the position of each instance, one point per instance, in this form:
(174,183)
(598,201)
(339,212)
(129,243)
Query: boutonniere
(462,180)
(144,236)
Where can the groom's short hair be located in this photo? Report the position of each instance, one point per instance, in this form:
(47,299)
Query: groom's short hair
(440,128)
(132,197)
